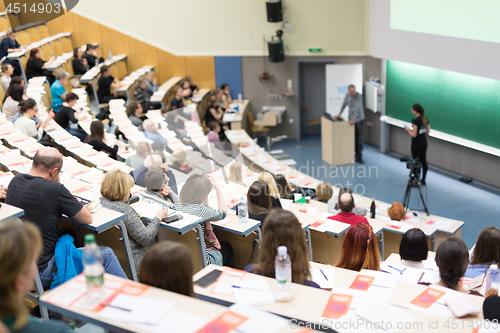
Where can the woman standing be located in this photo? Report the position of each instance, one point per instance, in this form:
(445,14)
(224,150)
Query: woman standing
(419,132)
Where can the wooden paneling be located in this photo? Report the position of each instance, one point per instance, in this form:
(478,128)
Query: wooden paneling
(86,31)
(115,41)
(170,65)
(202,70)
(62,24)
(142,54)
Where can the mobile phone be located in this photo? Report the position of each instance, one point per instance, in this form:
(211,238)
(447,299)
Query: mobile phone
(173,218)
(133,200)
(208,278)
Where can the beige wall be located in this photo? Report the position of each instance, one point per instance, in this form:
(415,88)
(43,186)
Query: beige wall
(235,27)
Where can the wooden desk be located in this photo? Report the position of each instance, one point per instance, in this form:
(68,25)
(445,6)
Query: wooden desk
(8,212)
(165,91)
(238,120)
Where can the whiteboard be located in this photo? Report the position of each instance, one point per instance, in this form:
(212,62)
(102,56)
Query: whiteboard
(338,80)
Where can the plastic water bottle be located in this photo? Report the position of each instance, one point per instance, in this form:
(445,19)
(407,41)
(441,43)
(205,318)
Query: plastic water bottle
(492,280)
(92,267)
(243,210)
(110,55)
(283,271)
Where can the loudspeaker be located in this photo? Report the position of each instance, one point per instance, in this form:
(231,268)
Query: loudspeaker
(276,52)
(274,11)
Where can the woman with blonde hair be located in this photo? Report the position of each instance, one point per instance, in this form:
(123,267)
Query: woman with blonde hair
(324,192)
(194,200)
(20,246)
(359,250)
(273,189)
(179,163)
(168,265)
(115,191)
(235,171)
(397,211)
(283,229)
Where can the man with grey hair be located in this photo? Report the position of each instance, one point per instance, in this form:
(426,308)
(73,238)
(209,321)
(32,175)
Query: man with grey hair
(58,91)
(157,188)
(152,83)
(142,150)
(151,162)
(140,94)
(151,132)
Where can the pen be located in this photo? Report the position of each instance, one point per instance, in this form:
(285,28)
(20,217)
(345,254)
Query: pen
(397,269)
(241,287)
(115,307)
(323,274)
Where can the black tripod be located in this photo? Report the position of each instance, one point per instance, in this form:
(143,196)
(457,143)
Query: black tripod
(413,183)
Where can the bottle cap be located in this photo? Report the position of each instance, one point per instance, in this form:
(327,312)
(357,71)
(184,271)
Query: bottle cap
(282,250)
(89,239)
(494,266)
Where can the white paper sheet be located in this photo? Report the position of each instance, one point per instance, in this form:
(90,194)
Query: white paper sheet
(258,321)
(254,292)
(383,285)
(177,321)
(319,278)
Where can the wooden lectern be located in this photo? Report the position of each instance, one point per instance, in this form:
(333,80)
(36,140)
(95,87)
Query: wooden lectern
(337,141)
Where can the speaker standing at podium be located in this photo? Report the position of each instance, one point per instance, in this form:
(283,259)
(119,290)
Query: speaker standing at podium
(356,117)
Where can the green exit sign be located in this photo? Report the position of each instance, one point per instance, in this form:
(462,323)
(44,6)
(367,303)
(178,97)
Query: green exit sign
(315,50)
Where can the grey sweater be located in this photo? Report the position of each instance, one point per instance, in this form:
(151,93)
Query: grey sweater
(139,235)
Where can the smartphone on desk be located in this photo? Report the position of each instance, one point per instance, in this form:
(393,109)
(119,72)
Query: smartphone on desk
(173,218)
(208,278)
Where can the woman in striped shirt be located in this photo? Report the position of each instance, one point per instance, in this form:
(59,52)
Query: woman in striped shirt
(194,201)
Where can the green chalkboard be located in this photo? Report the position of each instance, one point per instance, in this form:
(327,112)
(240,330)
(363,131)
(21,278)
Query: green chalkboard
(463,105)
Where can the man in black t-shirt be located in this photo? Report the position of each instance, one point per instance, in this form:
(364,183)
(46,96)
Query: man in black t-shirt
(44,201)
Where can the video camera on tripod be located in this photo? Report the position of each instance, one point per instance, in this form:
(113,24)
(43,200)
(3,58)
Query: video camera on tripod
(414,165)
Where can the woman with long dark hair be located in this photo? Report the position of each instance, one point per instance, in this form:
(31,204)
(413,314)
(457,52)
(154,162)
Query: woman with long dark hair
(96,139)
(35,66)
(420,130)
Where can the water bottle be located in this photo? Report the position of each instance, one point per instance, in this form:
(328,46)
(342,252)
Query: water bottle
(92,267)
(110,55)
(372,209)
(243,210)
(283,271)
(492,280)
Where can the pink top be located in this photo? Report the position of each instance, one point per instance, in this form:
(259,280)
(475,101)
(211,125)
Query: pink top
(213,137)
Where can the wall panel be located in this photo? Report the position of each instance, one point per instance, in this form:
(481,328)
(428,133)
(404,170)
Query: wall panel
(202,70)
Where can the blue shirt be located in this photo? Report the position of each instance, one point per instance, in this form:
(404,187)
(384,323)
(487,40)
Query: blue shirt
(155,137)
(57,90)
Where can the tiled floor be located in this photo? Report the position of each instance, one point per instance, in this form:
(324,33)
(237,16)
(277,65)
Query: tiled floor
(385,178)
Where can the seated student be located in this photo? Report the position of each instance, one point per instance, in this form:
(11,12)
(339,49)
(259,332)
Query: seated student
(140,93)
(346,215)
(283,229)
(235,173)
(491,308)
(194,201)
(115,191)
(152,84)
(26,124)
(178,102)
(134,112)
(324,192)
(214,112)
(21,244)
(47,201)
(225,98)
(179,162)
(452,259)
(273,189)
(35,66)
(66,117)
(92,57)
(58,91)
(105,83)
(192,86)
(142,150)
(151,162)
(96,139)
(186,89)
(79,62)
(486,252)
(414,249)
(259,201)
(157,188)
(11,101)
(158,148)
(397,211)
(151,131)
(284,187)
(213,134)
(359,250)
(7,71)
(8,45)
(168,265)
